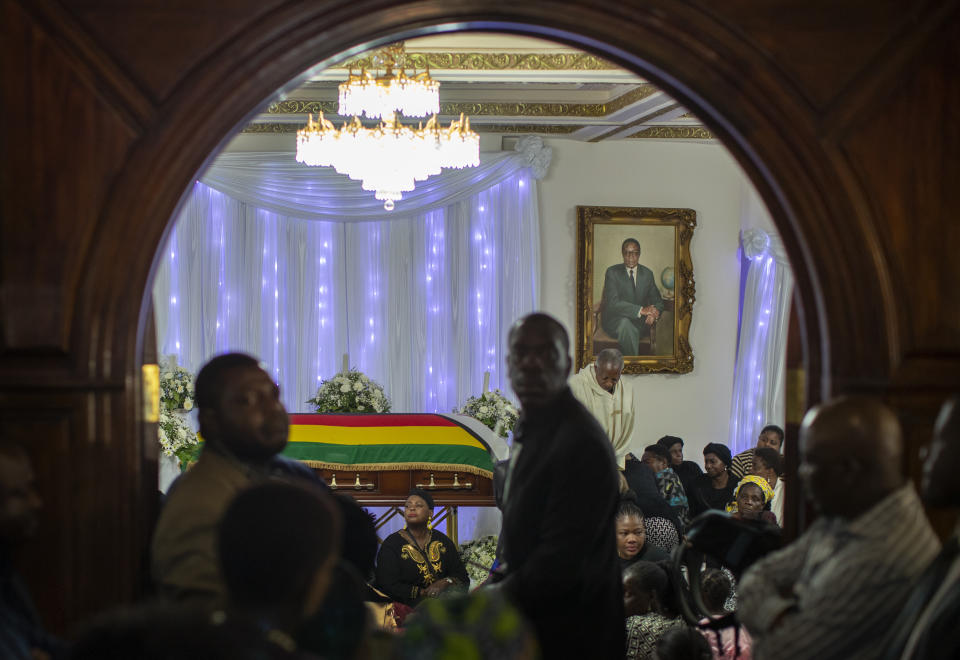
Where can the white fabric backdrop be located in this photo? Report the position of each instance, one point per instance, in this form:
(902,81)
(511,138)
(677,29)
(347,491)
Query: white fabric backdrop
(421,302)
(298,266)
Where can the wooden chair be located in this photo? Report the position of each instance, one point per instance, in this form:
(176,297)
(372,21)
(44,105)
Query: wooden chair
(602,340)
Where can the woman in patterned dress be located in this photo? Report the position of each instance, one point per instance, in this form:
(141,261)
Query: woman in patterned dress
(645,586)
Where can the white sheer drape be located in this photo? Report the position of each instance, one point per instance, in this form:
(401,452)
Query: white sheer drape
(420,300)
(276,182)
(758,387)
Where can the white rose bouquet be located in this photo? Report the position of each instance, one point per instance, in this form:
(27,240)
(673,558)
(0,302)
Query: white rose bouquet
(478,557)
(177,437)
(350,392)
(176,389)
(493,410)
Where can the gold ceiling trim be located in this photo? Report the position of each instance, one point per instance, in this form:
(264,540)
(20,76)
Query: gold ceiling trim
(544,129)
(302,107)
(675,133)
(639,93)
(271,127)
(494,62)
(479,109)
(637,122)
(329,108)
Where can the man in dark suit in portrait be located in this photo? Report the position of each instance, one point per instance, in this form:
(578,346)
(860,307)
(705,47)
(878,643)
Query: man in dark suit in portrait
(631,299)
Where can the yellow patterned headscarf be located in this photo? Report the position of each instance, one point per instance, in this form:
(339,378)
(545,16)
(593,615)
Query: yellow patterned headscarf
(756,481)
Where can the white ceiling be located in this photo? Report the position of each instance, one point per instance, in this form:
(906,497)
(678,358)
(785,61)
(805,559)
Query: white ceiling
(507,85)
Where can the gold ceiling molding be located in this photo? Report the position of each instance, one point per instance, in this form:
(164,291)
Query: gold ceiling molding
(329,108)
(675,132)
(295,107)
(639,93)
(271,127)
(525,109)
(545,129)
(541,129)
(637,122)
(479,109)
(494,62)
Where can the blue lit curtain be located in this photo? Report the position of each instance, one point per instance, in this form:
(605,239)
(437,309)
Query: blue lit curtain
(758,387)
(298,266)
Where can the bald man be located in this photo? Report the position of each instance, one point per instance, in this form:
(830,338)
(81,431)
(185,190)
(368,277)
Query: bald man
(836,590)
(601,390)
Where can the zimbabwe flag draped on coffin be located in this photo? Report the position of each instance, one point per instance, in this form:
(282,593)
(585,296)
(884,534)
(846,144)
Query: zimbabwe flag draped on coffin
(387,442)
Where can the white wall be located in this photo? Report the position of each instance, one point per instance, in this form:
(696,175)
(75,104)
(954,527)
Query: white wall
(694,406)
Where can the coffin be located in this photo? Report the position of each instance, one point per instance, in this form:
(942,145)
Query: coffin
(378,458)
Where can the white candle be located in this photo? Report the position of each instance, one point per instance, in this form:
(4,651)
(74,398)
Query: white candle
(346,362)
(486,381)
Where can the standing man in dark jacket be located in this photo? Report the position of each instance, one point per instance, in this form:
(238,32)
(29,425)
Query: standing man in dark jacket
(560,500)
(631,300)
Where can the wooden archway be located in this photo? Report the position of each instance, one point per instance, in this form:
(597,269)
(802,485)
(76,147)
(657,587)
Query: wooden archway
(815,111)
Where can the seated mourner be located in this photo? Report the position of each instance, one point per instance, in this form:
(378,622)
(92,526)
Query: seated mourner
(418,561)
(632,545)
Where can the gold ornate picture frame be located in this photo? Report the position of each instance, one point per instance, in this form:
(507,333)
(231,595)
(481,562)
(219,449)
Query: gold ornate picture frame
(644,311)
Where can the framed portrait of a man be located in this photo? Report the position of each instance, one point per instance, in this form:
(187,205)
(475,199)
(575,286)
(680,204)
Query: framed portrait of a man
(635,287)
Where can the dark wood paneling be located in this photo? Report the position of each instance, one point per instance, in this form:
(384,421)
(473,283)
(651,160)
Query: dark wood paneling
(111,108)
(905,153)
(820,46)
(62,145)
(159,42)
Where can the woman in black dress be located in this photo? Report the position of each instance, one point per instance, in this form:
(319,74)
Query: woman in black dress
(419,562)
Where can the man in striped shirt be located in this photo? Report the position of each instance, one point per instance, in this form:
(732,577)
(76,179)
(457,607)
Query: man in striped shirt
(836,590)
(771,436)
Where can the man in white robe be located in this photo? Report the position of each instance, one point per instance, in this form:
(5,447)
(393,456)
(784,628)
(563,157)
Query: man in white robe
(599,387)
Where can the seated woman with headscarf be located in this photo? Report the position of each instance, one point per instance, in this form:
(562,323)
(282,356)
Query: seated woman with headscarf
(418,561)
(668,483)
(687,471)
(632,545)
(751,500)
(714,489)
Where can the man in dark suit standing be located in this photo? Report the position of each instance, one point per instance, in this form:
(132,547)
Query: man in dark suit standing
(560,499)
(631,299)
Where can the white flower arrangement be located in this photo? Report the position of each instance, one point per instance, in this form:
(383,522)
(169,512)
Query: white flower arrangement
(493,410)
(350,392)
(478,557)
(177,437)
(176,389)
(176,434)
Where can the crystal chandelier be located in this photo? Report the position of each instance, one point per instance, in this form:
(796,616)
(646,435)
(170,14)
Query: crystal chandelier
(390,157)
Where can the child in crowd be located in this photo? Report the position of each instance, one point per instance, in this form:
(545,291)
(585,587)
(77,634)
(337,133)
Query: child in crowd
(716,587)
(646,603)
